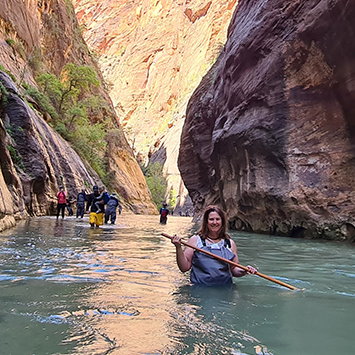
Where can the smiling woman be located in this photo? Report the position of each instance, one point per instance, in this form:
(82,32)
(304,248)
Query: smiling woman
(211,237)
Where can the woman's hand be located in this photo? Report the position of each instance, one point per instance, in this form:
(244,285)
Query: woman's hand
(238,272)
(251,270)
(176,240)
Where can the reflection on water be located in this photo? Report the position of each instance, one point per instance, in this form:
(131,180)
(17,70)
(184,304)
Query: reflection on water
(69,289)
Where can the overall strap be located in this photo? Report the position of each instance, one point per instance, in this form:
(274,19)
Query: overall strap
(227,243)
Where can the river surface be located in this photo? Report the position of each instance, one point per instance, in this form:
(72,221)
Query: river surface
(69,289)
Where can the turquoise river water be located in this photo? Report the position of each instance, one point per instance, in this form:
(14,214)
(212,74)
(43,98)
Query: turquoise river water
(69,289)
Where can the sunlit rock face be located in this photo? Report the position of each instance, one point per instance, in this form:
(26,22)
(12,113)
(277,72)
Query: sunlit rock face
(153,54)
(269,133)
(47,33)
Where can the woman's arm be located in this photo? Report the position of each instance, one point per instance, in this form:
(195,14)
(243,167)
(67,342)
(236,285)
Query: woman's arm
(236,271)
(184,257)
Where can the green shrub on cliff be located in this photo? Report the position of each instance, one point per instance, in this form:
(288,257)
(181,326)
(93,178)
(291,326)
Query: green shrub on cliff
(41,100)
(15,157)
(156,182)
(173,197)
(68,96)
(2,68)
(50,86)
(3,94)
(64,92)
(17,47)
(89,142)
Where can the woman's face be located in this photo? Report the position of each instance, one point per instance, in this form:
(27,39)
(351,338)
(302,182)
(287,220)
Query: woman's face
(214,222)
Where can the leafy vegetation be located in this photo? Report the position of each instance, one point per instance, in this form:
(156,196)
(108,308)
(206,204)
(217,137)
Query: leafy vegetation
(64,92)
(69,104)
(41,100)
(156,182)
(17,47)
(16,159)
(3,94)
(66,99)
(173,197)
(2,68)
(10,41)
(157,185)
(88,141)
(11,129)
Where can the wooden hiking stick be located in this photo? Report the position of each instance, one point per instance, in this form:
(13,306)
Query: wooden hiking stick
(235,264)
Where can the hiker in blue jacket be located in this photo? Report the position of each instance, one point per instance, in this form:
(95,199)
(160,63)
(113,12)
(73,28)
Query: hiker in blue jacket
(111,208)
(80,204)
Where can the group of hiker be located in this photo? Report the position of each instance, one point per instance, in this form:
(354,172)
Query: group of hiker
(100,204)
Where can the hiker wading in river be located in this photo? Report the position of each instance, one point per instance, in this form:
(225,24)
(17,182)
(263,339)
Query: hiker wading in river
(96,207)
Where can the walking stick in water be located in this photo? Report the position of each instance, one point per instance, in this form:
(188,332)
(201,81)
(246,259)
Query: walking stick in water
(235,264)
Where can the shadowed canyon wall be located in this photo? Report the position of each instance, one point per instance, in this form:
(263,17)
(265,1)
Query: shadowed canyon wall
(154,54)
(47,32)
(269,133)
(44,160)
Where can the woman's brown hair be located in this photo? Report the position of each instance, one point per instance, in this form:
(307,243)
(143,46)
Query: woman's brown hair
(203,231)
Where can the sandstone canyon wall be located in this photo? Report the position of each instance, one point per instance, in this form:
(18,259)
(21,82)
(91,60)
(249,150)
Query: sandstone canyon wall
(44,160)
(269,133)
(48,32)
(154,54)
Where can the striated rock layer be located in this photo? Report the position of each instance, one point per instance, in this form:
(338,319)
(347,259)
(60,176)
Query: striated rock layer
(43,36)
(154,54)
(269,133)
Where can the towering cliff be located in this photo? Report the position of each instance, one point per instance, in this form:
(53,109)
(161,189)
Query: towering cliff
(43,160)
(42,37)
(154,53)
(269,132)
